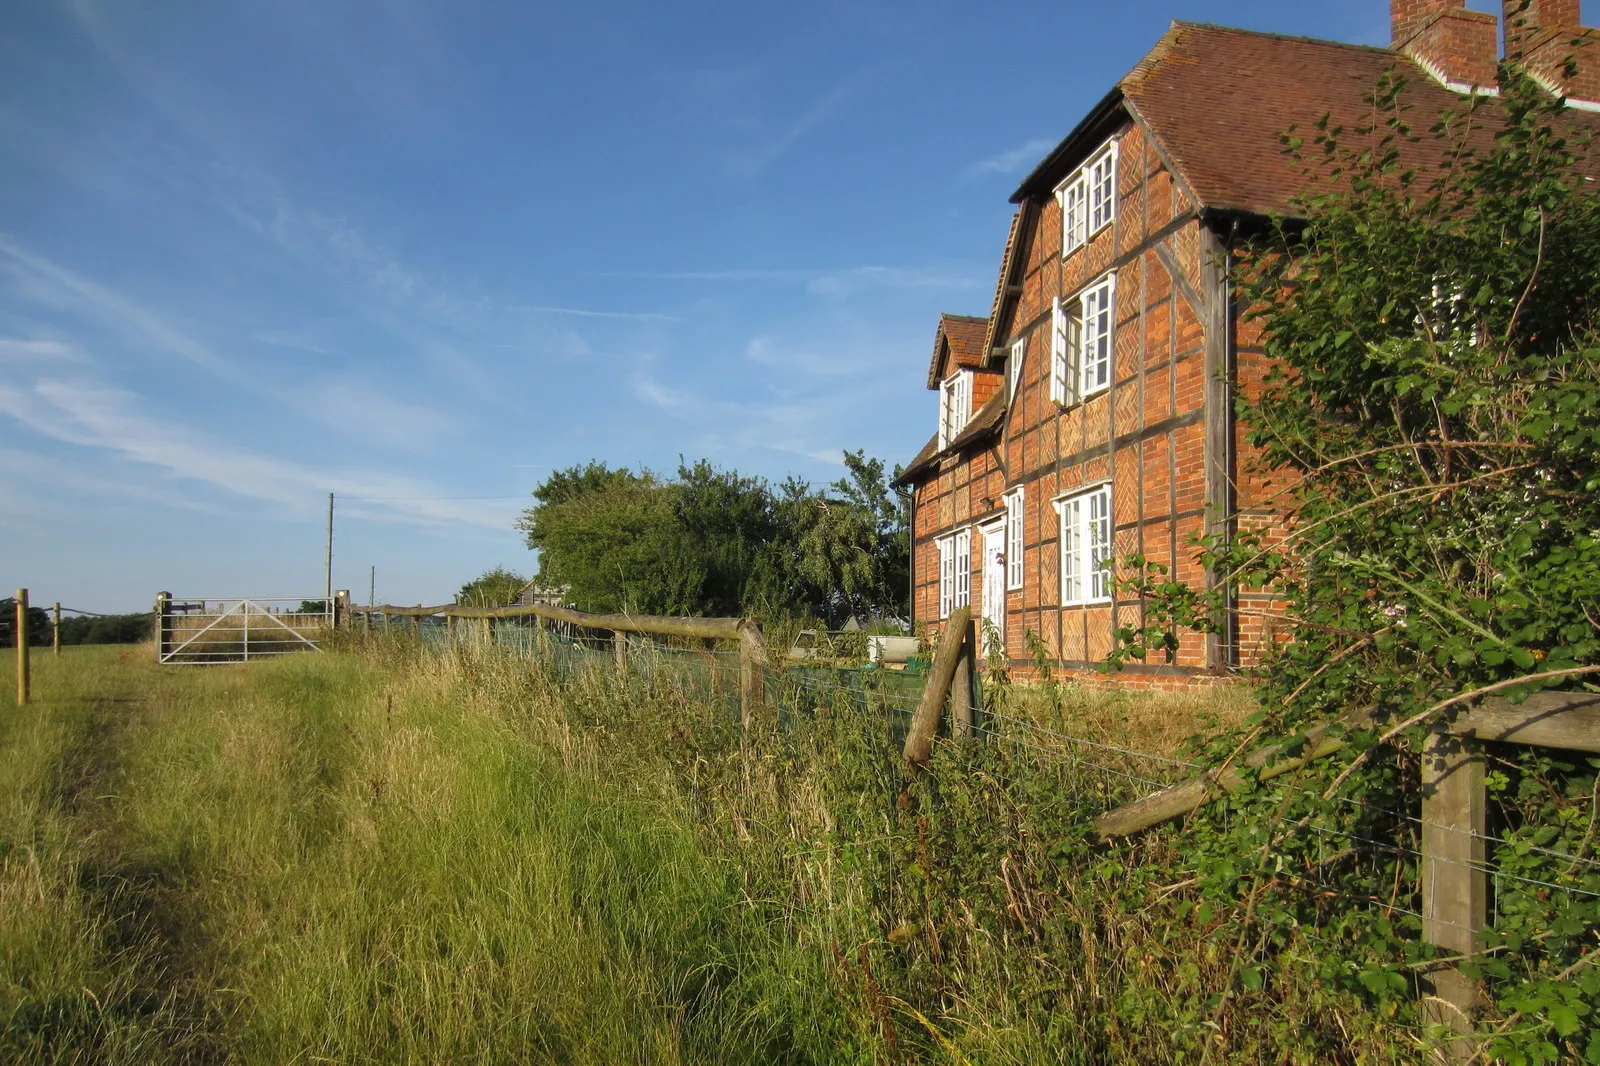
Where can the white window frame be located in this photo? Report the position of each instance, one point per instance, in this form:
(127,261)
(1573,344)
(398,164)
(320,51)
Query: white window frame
(1019,351)
(1100,174)
(1015,527)
(1086,539)
(963,549)
(946,575)
(1088,199)
(955,406)
(1096,348)
(1065,341)
(1073,195)
(955,571)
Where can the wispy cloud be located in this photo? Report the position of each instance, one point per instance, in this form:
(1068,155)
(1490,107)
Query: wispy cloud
(804,419)
(53,285)
(750,164)
(94,416)
(842,281)
(56,474)
(764,351)
(856,279)
(23,349)
(1011,161)
(578,312)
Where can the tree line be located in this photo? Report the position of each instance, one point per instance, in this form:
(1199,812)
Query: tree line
(75,629)
(712,542)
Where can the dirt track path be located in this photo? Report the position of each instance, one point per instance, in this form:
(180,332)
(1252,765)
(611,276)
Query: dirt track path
(152,933)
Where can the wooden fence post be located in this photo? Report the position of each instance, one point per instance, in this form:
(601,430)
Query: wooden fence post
(919,742)
(20,628)
(55,631)
(416,629)
(962,705)
(752,673)
(619,641)
(451,623)
(1455,886)
(163,623)
(488,631)
(341,609)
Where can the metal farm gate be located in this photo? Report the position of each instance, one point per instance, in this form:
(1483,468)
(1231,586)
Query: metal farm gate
(211,631)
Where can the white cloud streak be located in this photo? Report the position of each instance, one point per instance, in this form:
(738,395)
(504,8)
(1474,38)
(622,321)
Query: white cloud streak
(93,416)
(1011,161)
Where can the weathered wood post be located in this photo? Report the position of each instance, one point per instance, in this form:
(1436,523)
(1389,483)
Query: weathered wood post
(416,628)
(919,742)
(20,629)
(619,642)
(488,631)
(55,630)
(451,623)
(752,672)
(163,623)
(963,707)
(1455,886)
(341,609)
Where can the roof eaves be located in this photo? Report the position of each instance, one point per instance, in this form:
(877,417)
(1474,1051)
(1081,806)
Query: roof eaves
(920,462)
(1084,138)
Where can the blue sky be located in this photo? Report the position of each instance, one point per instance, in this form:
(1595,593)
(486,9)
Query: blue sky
(420,254)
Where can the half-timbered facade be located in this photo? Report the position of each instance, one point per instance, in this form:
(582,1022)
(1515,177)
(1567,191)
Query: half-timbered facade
(1104,424)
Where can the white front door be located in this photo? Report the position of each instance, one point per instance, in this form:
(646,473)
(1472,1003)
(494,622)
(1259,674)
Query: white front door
(993,623)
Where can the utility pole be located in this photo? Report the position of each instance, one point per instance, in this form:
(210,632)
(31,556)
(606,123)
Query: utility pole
(328,567)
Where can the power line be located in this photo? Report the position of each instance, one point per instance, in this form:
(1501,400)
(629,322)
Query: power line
(432,499)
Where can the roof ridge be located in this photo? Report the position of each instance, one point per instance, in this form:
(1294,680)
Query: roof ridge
(1297,38)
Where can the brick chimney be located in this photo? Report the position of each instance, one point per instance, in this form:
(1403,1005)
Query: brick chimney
(1544,35)
(1458,47)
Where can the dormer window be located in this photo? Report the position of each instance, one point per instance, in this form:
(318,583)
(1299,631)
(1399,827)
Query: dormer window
(1088,199)
(955,406)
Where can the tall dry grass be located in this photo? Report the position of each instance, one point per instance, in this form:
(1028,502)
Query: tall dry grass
(377,855)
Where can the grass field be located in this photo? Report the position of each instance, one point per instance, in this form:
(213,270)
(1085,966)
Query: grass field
(304,861)
(372,857)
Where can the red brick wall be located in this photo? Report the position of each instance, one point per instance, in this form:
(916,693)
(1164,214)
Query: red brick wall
(1147,433)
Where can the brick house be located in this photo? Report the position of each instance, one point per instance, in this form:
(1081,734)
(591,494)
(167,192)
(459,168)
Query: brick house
(1094,419)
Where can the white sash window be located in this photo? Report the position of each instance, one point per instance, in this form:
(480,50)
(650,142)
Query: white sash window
(1088,199)
(955,571)
(1086,546)
(1097,313)
(955,406)
(1014,545)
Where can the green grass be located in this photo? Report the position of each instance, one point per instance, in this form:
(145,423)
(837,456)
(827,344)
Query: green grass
(371,856)
(318,860)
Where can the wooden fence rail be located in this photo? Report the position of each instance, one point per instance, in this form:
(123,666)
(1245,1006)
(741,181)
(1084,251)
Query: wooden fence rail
(752,646)
(1454,874)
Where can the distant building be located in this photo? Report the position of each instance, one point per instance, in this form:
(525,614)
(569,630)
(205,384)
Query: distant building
(535,595)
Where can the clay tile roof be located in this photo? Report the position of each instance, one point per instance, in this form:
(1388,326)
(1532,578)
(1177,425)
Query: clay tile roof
(964,334)
(981,426)
(921,462)
(1217,99)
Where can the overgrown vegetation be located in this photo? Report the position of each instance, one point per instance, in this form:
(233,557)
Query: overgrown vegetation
(1434,421)
(497,587)
(375,857)
(712,542)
